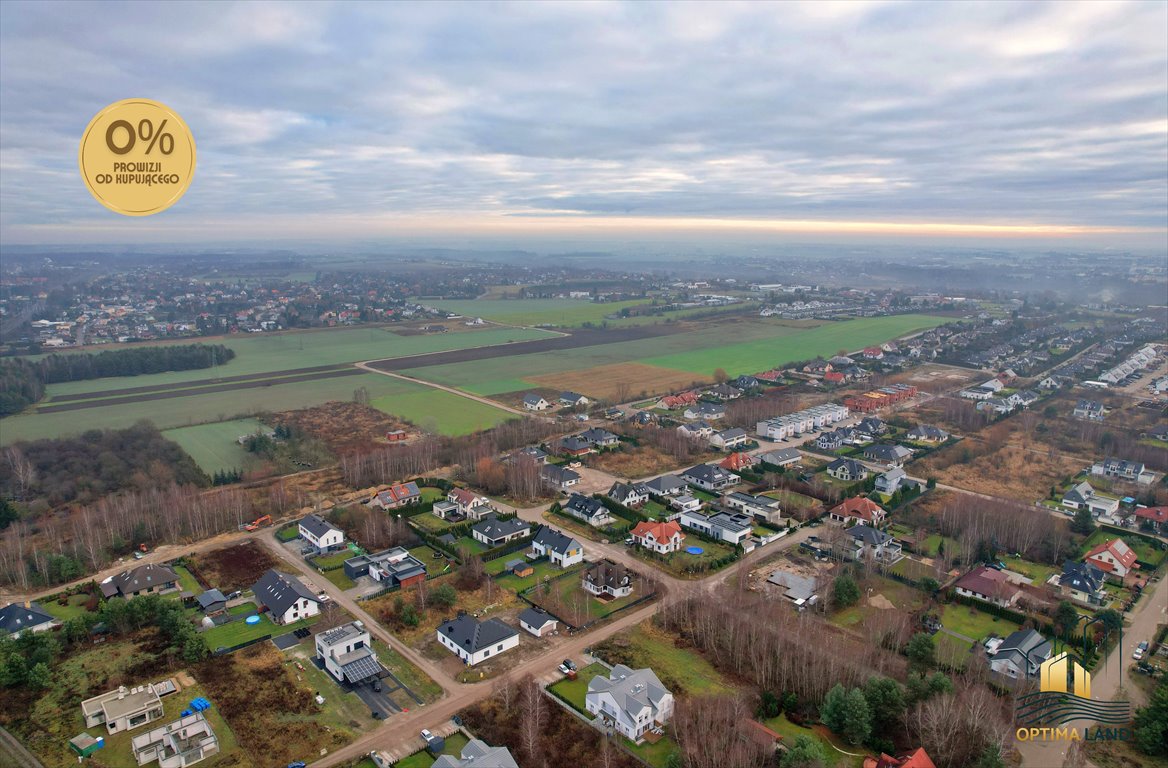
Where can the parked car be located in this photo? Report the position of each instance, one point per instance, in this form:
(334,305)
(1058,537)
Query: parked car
(1138,653)
(297,764)
(563,670)
(427,736)
(569,664)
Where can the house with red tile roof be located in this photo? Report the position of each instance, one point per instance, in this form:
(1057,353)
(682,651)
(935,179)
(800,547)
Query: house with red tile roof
(1114,557)
(918,758)
(678,401)
(738,461)
(1156,516)
(858,509)
(988,585)
(658,537)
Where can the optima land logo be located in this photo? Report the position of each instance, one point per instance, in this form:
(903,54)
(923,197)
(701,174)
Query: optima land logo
(1064,695)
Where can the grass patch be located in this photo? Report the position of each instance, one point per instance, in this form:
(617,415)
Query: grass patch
(288,533)
(951,651)
(575,691)
(333,558)
(186,581)
(789,731)
(430,522)
(543,569)
(974,624)
(437,411)
(337,577)
(411,676)
(1033,571)
(656,755)
(214,447)
(567,598)
(680,670)
(240,631)
(73,607)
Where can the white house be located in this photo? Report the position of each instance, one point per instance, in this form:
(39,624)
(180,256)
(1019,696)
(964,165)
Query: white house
(730,527)
(685,503)
(475,641)
(472,505)
(286,599)
(320,533)
(347,653)
(729,438)
(17,618)
(629,494)
(559,548)
(1114,557)
(658,537)
(1021,654)
(535,403)
(762,507)
(537,622)
(632,701)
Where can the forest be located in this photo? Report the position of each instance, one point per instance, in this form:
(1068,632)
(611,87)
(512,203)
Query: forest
(22,382)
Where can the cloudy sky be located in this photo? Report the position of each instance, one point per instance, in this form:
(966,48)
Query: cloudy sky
(376,119)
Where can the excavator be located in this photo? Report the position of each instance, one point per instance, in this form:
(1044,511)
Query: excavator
(258,523)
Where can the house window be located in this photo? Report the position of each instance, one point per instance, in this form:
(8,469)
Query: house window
(486,653)
(500,647)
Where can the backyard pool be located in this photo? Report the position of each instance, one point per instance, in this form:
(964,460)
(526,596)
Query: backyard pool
(694,550)
(253,619)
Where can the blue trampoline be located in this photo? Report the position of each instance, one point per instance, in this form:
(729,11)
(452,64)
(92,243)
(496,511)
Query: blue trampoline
(694,550)
(253,619)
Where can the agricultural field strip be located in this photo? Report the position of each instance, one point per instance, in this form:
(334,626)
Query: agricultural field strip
(213,446)
(268,353)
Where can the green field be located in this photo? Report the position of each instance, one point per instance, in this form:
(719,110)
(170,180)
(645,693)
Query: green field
(438,411)
(760,345)
(213,446)
(567,312)
(400,398)
(678,668)
(270,352)
(965,620)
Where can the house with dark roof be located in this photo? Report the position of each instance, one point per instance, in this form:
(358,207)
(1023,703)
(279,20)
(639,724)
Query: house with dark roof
(392,567)
(865,543)
(782,457)
(574,445)
(709,477)
(534,402)
(606,579)
(556,546)
(147,579)
(537,621)
(704,410)
(1084,496)
(572,399)
(600,438)
(848,470)
(285,598)
(1021,654)
(728,439)
(321,534)
(927,433)
(212,602)
(885,453)
(18,618)
(533,452)
(559,477)
(494,532)
(1121,469)
(628,494)
(632,701)
(1083,583)
(477,754)
(591,511)
(666,486)
(347,653)
(475,641)
(890,482)
(988,585)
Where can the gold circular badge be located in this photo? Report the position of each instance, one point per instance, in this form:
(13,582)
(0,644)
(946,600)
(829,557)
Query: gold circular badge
(137,157)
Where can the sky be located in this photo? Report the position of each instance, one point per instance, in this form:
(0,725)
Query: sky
(893,120)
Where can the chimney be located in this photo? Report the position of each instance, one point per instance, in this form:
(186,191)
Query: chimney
(28,604)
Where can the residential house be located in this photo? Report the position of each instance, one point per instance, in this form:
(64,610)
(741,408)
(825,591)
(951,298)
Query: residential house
(537,621)
(470,504)
(591,511)
(576,446)
(783,457)
(573,399)
(739,461)
(535,403)
(477,754)
(996,405)
(447,510)
(1089,410)
(873,426)
(746,383)
(556,546)
(600,438)
(918,758)
(723,392)
(728,439)
(475,641)
(660,537)
(800,590)
(891,481)
(1155,518)
(684,503)
(1026,397)
(321,534)
(988,585)
(629,494)
(391,567)
(494,532)
(533,452)
(704,410)
(830,441)
(885,453)
(347,653)
(285,598)
(559,477)
(1082,496)
(397,495)
(607,579)
(865,543)
(1113,557)
(670,402)
(709,477)
(123,709)
(1021,654)
(665,486)
(186,741)
(212,602)
(631,701)
(1083,583)
(761,507)
(730,527)
(859,509)
(147,579)
(1123,470)
(848,470)
(927,433)
(695,430)
(18,618)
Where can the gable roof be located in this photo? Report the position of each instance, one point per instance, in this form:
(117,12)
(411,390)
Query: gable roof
(1082,577)
(536,617)
(660,531)
(557,474)
(586,506)
(1155,514)
(142,577)
(15,617)
(620,490)
(472,635)
(278,591)
(781,455)
(317,525)
(633,690)
(928,432)
(860,507)
(210,597)
(399,492)
(1118,549)
(665,483)
(556,541)
(868,535)
(851,466)
(987,581)
(478,754)
(886,452)
(709,473)
(492,527)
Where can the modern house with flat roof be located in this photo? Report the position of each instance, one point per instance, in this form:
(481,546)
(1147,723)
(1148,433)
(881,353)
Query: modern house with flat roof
(123,709)
(184,742)
(393,567)
(347,653)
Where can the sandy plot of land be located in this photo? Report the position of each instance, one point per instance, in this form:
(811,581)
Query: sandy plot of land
(1012,472)
(606,381)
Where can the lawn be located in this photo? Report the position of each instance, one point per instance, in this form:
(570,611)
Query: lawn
(789,731)
(913,569)
(430,522)
(903,597)
(288,533)
(680,670)
(333,558)
(237,632)
(470,544)
(574,691)
(443,412)
(931,546)
(566,598)
(951,651)
(213,446)
(337,576)
(1038,574)
(405,671)
(75,606)
(790,500)
(543,568)
(656,755)
(186,581)
(974,624)
(683,563)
